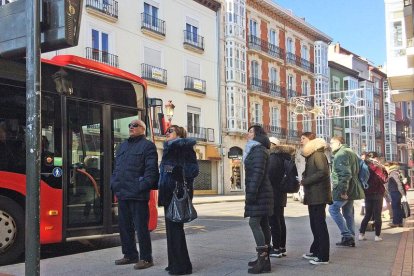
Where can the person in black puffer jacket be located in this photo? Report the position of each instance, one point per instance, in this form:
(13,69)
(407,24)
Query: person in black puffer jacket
(259,195)
(278,155)
(178,152)
(317,188)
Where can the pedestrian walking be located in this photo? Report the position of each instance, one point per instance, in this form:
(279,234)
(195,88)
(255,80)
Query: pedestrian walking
(346,188)
(178,157)
(259,195)
(317,188)
(374,196)
(278,155)
(396,189)
(134,175)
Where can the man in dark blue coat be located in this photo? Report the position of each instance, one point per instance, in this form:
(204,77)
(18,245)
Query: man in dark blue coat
(135,173)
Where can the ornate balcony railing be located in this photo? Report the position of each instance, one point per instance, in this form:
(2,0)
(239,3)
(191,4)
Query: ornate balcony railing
(195,85)
(273,89)
(201,133)
(109,7)
(294,134)
(277,90)
(102,56)
(153,24)
(266,47)
(275,131)
(292,93)
(194,40)
(152,73)
(293,59)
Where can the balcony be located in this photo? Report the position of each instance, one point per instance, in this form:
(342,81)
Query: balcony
(154,74)
(378,134)
(193,42)
(152,26)
(271,89)
(102,56)
(292,93)
(302,63)
(107,9)
(265,47)
(201,133)
(275,131)
(195,86)
(294,135)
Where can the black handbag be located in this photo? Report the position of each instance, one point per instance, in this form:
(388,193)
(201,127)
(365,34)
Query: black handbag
(406,209)
(181,209)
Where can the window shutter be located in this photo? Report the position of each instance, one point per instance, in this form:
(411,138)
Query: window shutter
(193,69)
(152,57)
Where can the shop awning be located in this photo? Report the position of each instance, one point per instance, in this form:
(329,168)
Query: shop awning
(212,153)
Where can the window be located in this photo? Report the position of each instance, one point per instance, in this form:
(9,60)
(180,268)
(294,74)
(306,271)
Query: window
(289,45)
(272,37)
(193,69)
(273,76)
(4,2)
(257,113)
(100,45)
(150,15)
(304,52)
(397,34)
(255,69)
(253,27)
(152,57)
(307,124)
(305,88)
(193,119)
(191,33)
(290,82)
(275,115)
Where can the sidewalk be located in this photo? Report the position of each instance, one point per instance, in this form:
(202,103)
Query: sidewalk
(226,252)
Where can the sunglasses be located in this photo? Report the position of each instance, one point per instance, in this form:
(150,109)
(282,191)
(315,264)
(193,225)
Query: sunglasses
(134,125)
(170,130)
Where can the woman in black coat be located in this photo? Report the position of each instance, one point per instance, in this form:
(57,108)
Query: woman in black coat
(178,152)
(259,195)
(317,188)
(278,155)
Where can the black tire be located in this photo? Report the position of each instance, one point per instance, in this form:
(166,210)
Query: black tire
(11,230)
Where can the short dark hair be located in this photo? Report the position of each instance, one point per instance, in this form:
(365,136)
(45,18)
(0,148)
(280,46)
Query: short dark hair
(372,154)
(309,135)
(340,139)
(181,132)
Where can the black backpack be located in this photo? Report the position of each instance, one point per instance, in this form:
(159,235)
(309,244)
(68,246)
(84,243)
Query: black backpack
(290,182)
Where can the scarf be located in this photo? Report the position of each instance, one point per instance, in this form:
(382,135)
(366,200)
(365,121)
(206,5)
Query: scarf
(250,144)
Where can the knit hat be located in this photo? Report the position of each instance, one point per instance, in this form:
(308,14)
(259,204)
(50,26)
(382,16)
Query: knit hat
(274,140)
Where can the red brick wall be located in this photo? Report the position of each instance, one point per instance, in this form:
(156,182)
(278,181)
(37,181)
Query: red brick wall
(263,30)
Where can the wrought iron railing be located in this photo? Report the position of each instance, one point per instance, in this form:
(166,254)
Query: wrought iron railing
(152,23)
(193,39)
(153,73)
(277,90)
(294,134)
(201,133)
(266,47)
(109,7)
(194,84)
(102,56)
(292,93)
(275,131)
(293,59)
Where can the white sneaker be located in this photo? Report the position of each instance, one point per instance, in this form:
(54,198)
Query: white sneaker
(377,238)
(318,262)
(309,256)
(361,237)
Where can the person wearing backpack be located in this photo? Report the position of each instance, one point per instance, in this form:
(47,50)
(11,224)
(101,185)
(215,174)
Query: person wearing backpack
(346,187)
(317,187)
(279,154)
(374,195)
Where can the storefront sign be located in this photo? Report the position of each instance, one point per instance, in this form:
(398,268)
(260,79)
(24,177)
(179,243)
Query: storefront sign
(156,73)
(235,153)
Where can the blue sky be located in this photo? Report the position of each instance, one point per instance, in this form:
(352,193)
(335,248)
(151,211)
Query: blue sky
(358,25)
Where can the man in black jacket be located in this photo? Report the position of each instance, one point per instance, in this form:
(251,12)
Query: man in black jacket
(135,173)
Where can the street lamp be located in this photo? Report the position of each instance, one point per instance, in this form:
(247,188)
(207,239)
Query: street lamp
(169,110)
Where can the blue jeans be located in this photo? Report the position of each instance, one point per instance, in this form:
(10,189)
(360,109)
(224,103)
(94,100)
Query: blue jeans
(396,207)
(344,220)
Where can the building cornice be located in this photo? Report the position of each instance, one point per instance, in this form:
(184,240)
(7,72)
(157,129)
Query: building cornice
(273,10)
(211,4)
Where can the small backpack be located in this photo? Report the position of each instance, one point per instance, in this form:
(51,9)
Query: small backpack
(363,174)
(290,182)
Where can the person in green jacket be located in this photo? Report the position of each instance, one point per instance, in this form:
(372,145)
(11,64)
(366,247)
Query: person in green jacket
(346,188)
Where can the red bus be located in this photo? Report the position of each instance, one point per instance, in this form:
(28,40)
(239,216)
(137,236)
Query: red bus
(85,110)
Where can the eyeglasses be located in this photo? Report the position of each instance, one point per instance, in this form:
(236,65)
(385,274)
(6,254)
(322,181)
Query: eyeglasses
(170,130)
(134,125)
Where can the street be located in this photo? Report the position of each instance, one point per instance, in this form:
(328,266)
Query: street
(221,243)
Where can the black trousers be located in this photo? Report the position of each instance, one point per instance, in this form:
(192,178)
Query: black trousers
(373,209)
(320,244)
(178,258)
(278,227)
(133,216)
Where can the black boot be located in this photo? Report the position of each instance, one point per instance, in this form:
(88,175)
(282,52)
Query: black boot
(263,261)
(349,242)
(253,263)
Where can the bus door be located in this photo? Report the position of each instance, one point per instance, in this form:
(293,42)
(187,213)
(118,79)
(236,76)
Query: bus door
(85,191)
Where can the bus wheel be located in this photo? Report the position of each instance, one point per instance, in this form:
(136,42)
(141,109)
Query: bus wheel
(11,230)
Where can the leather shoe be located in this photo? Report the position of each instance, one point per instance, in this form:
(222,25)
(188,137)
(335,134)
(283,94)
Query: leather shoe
(125,261)
(142,264)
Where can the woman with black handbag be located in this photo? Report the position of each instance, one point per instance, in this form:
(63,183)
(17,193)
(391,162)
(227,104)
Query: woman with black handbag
(178,169)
